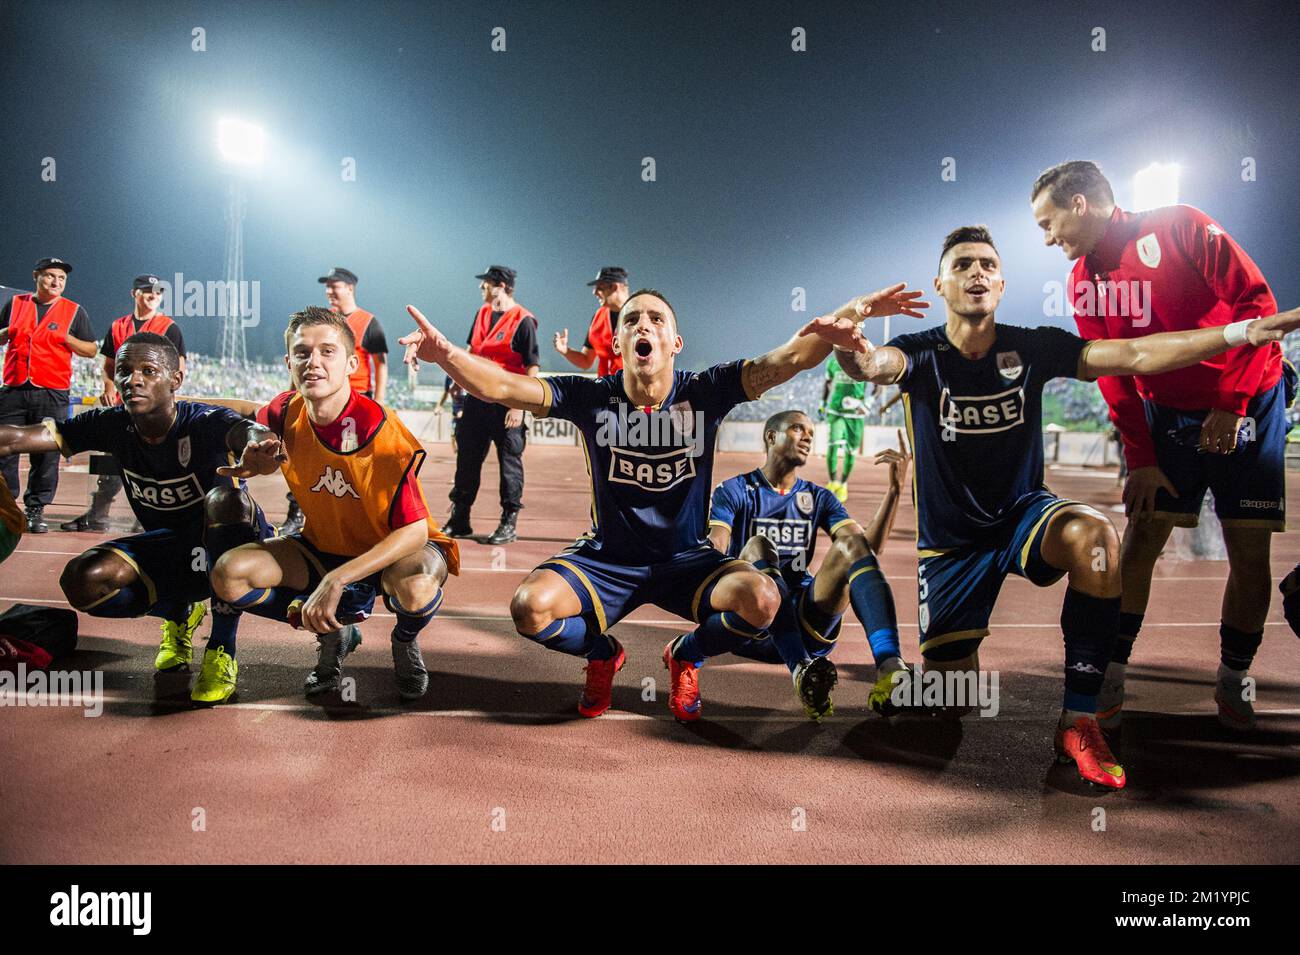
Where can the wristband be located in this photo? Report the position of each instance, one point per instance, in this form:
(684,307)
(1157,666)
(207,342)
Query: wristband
(1235,333)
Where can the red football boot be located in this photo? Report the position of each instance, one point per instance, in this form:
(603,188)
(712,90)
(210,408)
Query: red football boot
(1084,745)
(684,687)
(596,694)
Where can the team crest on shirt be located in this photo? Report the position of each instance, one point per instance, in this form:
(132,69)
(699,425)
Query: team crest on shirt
(183,451)
(682,418)
(53,326)
(1009,365)
(1148,249)
(804,501)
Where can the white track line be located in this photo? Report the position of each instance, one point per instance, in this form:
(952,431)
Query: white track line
(677,622)
(81,702)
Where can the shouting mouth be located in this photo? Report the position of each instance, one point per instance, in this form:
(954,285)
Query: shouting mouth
(643,348)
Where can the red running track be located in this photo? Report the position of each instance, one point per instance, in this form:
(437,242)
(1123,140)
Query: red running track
(494,765)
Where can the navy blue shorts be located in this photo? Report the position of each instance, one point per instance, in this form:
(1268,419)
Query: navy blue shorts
(957,589)
(1249,484)
(819,635)
(171,563)
(610,591)
(359,596)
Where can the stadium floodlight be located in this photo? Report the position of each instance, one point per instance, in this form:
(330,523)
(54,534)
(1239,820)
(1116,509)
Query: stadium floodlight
(1156,186)
(241,143)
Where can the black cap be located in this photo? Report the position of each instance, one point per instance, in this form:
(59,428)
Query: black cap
(146,282)
(339,274)
(500,275)
(611,273)
(44,264)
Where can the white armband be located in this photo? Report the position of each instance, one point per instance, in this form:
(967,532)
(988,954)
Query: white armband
(1235,334)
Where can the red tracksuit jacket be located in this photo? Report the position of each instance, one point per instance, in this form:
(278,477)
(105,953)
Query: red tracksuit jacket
(1198,277)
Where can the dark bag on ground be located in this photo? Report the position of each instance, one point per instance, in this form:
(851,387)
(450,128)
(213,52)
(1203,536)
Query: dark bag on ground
(53,629)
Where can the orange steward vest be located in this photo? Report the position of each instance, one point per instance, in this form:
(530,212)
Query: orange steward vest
(493,341)
(363,379)
(39,354)
(601,338)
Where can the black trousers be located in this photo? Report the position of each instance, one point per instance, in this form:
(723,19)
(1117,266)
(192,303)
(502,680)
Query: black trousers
(23,406)
(482,424)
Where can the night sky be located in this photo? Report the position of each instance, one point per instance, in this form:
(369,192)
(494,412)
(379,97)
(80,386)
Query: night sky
(775,169)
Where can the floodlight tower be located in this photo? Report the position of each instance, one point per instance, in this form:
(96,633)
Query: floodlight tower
(241,145)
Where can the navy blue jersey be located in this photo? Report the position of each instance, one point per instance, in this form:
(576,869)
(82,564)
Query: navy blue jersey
(976,427)
(165,482)
(650,472)
(748,504)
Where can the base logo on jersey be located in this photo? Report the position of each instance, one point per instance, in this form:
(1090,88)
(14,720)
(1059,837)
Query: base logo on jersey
(651,472)
(804,501)
(788,536)
(1148,248)
(982,414)
(1009,365)
(333,482)
(173,494)
(183,450)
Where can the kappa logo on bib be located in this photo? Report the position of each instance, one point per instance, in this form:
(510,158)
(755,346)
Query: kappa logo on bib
(1009,365)
(1148,249)
(333,482)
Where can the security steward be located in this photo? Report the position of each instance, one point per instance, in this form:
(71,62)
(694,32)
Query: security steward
(42,331)
(503,332)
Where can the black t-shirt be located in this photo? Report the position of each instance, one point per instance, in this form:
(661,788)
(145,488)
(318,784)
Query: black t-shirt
(173,335)
(613,327)
(523,343)
(80,327)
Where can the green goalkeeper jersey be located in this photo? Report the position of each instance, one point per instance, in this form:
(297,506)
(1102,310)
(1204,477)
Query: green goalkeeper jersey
(848,397)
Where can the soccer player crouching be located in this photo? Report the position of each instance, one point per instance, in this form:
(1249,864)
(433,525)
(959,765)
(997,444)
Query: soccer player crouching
(353,467)
(770,517)
(648,433)
(973,397)
(171,454)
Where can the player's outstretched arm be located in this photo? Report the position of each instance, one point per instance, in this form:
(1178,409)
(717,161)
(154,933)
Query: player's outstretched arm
(882,523)
(26,439)
(248,409)
(1153,354)
(840,330)
(480,377)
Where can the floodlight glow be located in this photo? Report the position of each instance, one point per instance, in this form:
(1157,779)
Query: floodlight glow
(1156,186)
(241,143)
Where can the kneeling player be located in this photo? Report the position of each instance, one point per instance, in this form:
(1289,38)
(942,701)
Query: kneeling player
(170,453)
(353,467)
(648,432)
(973,393)
(769,517)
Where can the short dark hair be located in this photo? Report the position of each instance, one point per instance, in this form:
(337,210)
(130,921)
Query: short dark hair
(966,233)
(780,421)
(171,357)
(1073,178)
(657,294)
(315,315)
